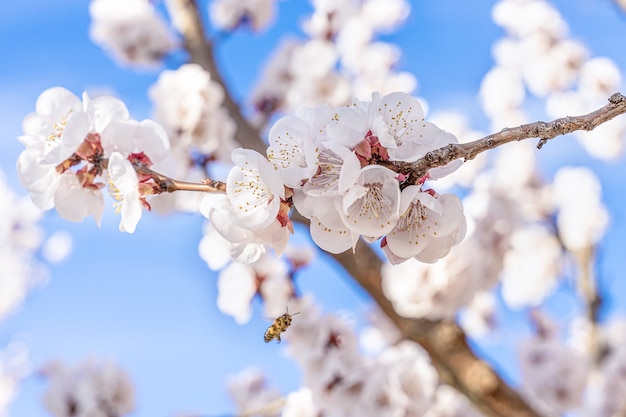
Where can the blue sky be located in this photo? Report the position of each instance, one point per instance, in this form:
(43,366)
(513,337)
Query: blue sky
(147,300)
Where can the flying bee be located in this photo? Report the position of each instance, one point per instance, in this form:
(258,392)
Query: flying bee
(280,325)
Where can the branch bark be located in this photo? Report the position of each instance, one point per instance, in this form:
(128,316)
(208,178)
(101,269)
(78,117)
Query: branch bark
(187,20)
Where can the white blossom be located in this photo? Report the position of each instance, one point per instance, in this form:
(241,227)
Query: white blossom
(131,30)
(531,267)
(124,186)
(582,218)
(553,375)
(250,392)
(188,104)
(89,389)
(371,206)
(300,404)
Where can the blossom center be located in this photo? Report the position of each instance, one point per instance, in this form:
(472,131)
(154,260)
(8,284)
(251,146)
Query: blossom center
(57,130)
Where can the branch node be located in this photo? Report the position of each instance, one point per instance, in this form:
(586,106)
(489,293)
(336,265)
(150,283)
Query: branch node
(541,143)
(616,98)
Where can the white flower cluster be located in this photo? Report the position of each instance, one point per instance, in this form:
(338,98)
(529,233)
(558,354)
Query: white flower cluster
(585,376)
(338,380)
(343,382)
(334,64)
(71,145)
(554,376)
(188,104)
(131,30)
(250,392)
(582,218)
(331,164)
(89,389)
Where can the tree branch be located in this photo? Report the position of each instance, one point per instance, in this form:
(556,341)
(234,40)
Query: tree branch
(445,342)
(187,20)
(542,130)
(169,185)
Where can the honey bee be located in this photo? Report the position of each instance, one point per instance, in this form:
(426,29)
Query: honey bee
(280,325)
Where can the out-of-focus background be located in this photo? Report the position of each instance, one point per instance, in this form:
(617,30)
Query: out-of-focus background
(147,300)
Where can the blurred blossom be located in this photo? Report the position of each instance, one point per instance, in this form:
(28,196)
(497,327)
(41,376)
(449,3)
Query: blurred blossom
(397,380)
(450,403)
(525,17)
(531,266)
(213,248)
(300,404)
(20,237)
(250,392)
(88,389)
(329,67)
(236,286)
(553,376)
(57,247)
(14,364)
(299,256)
(379,334)
(582,218)
(188,104)
(477,320)
(501,94)
(230,14)
(239,282)
(131,30)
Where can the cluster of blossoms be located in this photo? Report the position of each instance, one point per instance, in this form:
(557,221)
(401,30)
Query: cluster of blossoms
(396,379)
(188,104)
(131,30)
(75,147)
(584,375)
(334,166)
(88,389)
(334,64)
(554,374)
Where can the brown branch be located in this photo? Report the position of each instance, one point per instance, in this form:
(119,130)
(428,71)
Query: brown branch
(445,342)
(186,18)
(542,130)
(169,185)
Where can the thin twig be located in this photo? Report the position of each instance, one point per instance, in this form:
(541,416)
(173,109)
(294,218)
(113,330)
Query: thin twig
(542,130)
(169,185)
